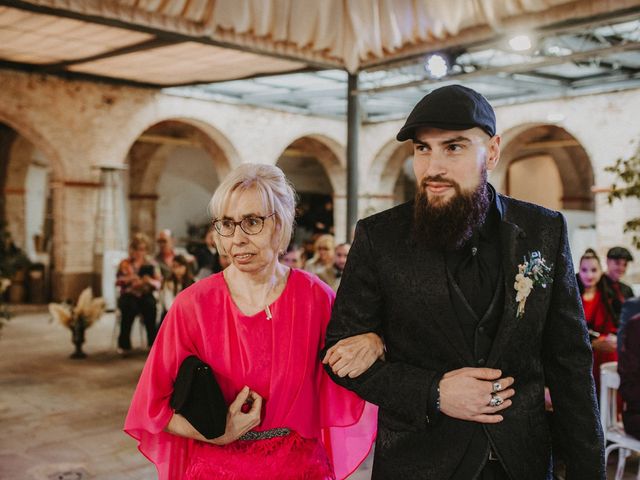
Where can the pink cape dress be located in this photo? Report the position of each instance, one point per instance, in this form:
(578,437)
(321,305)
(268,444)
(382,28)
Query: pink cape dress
(278,358)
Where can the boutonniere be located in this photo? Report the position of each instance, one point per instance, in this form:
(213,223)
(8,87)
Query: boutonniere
(534,272)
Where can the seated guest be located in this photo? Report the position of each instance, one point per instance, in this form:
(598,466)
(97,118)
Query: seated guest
(629,370)
(138,277)
(600,321)
(292,258)
(333,274)
(181,278)
(615,291)
(167,251)
(323,254)
(207,257)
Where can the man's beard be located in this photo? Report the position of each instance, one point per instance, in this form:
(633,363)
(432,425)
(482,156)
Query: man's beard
(450,225)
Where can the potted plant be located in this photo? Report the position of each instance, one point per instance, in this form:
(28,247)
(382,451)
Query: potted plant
(79,317)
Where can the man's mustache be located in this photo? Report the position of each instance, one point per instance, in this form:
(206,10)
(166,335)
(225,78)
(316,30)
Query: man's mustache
(439,179)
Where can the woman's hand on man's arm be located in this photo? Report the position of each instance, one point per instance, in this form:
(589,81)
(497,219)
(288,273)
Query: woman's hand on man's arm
(353,356)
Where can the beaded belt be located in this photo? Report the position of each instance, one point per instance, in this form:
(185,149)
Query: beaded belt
(265,434)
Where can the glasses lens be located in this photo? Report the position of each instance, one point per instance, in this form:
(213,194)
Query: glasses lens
(252,225)
(224,227)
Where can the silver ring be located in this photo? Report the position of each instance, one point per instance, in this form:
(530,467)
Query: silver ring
(496,387)
(495,401)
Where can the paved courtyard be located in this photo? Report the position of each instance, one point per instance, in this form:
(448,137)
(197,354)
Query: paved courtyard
(62,419)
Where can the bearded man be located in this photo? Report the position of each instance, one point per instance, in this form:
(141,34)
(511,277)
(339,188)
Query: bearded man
(476,298)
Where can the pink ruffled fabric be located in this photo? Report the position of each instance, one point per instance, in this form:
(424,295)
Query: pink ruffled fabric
(284,458)
(278,358)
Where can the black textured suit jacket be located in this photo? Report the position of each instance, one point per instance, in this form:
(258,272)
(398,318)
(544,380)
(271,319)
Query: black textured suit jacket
(394,286)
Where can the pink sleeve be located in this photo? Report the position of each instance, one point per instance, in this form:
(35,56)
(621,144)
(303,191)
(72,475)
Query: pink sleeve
(349,423)
(150,412)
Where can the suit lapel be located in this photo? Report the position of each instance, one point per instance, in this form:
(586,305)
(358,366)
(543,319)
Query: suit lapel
(430,283)
(513,248)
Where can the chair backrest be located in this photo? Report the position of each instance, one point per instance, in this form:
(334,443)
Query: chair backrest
(609,384)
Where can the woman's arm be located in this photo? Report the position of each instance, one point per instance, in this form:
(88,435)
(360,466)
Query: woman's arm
(238,423)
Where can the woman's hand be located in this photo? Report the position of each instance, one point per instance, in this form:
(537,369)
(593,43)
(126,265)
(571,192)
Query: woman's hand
(354,355)
(239,423)
(605,344)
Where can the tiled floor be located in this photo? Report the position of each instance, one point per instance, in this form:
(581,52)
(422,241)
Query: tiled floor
(61,419)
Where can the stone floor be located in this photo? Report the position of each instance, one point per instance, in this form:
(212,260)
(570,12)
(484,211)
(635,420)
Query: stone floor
(61,419)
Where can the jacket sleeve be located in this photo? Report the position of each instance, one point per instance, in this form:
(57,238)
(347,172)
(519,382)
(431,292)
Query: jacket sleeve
(567,357)
(400,388)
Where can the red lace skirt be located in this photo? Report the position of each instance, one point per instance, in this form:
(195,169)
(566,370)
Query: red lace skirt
(283,458)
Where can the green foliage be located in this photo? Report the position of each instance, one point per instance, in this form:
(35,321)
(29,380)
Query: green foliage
(627,185)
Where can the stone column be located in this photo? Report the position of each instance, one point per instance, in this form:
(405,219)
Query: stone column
(111,234)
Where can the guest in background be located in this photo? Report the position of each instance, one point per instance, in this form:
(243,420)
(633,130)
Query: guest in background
(324,248)
(207,257)
(333,274)
(138,278)
(630,309)
(615,290)
(167,252)
(181,278)
(600,321)
(292,258)
(629,368)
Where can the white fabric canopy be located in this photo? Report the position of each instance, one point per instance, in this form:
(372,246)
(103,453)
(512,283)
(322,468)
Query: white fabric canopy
(347,34)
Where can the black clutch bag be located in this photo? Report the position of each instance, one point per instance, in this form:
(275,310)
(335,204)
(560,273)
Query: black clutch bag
(198,398)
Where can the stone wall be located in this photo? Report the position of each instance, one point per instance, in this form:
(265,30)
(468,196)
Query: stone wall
(79,125)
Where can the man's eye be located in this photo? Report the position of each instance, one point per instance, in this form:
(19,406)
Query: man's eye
(455,147)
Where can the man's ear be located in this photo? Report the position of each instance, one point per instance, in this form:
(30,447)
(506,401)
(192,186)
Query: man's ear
(493,152)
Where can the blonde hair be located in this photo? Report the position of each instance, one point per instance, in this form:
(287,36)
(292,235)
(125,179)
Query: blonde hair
(138,240)
(278,195)
(325,239)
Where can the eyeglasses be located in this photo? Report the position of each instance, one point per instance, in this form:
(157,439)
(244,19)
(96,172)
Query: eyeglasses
(251,225)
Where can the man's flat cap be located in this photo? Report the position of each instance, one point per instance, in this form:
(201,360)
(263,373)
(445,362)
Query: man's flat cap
(620,253)
(453,107)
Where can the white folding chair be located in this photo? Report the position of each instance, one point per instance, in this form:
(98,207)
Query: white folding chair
(612,428)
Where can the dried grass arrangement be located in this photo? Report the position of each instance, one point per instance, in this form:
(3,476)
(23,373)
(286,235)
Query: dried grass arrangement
(88,309)
(85,313)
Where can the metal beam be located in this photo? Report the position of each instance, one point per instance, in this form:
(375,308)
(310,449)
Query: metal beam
(353,132)
(515,68)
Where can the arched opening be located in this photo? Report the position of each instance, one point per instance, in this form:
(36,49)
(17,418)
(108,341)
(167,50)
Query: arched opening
(390,180)
(174,168)
(26,215)
(316,173)
(546,165)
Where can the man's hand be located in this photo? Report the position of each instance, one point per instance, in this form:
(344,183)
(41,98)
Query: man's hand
(465,394)
(354,355)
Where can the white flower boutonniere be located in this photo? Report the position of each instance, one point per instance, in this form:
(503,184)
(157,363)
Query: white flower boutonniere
(534,272)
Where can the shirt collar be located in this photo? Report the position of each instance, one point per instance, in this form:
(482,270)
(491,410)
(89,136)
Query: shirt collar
(494,215)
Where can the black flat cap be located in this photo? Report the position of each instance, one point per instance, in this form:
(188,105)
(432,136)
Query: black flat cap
(619,253)
(453,107)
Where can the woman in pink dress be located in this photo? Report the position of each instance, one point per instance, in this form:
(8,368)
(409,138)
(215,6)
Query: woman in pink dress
(260,326)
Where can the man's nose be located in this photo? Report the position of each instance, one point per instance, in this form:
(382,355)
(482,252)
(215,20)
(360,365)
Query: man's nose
(436,165)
